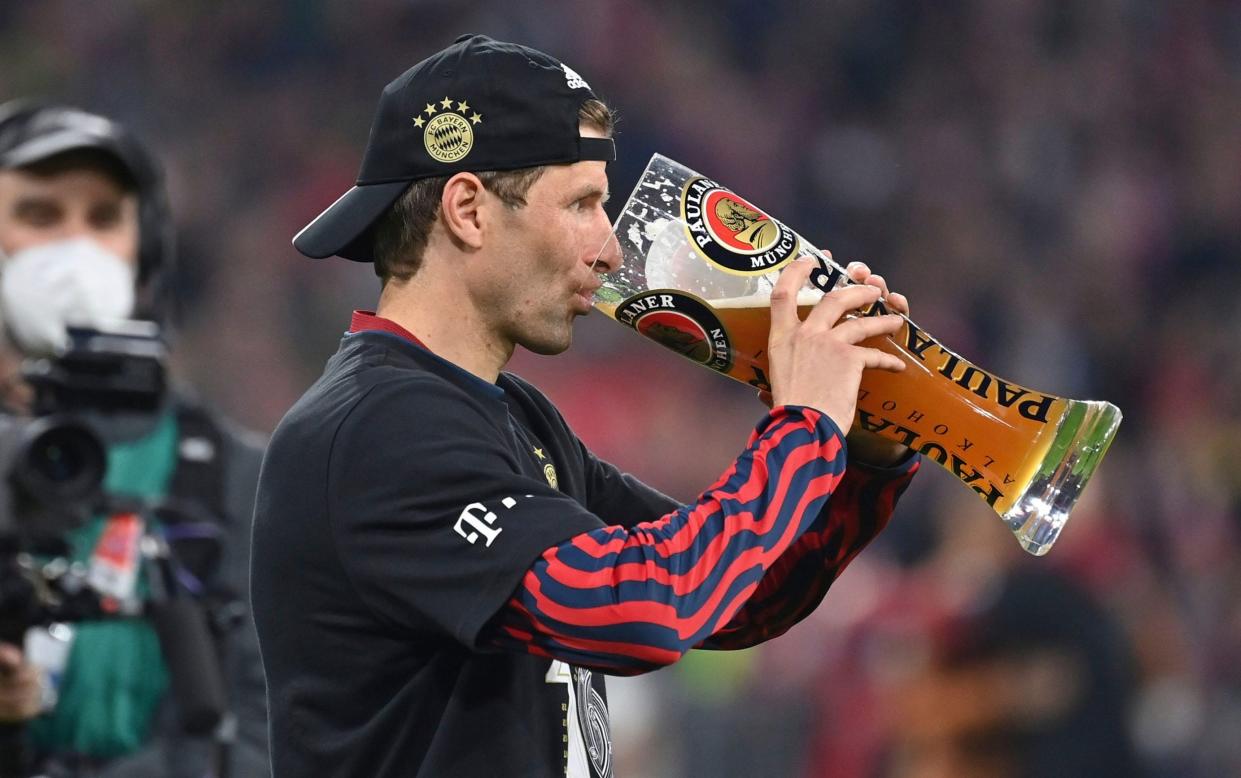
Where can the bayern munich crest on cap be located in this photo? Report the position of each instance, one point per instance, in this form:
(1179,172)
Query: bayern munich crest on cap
(446,132)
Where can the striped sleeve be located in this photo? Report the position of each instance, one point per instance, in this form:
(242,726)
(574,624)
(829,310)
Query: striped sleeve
(796,584)
(627,600)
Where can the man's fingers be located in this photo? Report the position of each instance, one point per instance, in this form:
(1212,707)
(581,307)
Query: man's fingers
(882,360)
(784,296)
(860,272)
(859,329)
(841,301)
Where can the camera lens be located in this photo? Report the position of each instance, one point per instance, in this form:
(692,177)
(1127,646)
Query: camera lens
(62,461)
(59,455)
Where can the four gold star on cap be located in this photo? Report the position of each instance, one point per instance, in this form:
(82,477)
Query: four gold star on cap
(432,108)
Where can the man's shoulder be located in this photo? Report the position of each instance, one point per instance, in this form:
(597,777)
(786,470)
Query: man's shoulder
(512,381)
(361,368)
(527,394)
(535,407)
(370,388)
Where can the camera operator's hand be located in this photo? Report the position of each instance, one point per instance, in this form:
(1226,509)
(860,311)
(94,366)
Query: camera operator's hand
(818,362)
(21,693)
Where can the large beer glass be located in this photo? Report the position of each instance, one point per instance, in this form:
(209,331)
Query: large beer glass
(699,266)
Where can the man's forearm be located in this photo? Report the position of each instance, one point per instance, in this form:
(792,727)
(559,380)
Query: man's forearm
(628,600)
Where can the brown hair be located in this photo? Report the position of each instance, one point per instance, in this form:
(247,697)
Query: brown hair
(401,233)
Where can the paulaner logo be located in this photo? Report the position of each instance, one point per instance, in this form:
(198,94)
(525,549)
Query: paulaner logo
(731,233)
(681,322)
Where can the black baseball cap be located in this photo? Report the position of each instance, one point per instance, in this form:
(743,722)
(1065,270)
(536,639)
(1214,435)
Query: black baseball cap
(480,104)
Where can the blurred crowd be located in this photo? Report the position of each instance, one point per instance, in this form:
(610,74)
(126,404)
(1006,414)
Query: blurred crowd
(1055,185)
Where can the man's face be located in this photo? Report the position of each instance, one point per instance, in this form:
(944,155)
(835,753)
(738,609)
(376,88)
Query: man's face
(75,203)
(543,271)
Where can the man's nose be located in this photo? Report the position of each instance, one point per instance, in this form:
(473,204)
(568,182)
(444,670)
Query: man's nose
(609,259)
(75,225)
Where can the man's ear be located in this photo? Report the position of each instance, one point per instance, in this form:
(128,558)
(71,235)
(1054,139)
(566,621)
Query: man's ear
(459,208)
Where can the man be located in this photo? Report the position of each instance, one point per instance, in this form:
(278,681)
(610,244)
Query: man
(86,240)
(442,572)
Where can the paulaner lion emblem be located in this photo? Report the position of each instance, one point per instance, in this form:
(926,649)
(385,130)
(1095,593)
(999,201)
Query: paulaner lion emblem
(747,225)
(731,233)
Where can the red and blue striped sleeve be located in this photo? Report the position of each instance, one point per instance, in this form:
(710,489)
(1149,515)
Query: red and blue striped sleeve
(628,600)
(795,585)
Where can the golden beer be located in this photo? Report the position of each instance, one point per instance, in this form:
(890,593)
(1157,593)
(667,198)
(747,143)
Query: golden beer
(1003,440)
(990,433)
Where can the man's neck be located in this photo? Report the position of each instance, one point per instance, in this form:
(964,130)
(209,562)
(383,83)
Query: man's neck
(447,322)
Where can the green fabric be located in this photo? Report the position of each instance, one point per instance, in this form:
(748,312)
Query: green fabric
(717,677)
(115,677)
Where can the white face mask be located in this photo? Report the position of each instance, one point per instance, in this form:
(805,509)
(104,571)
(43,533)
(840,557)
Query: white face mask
(46,288)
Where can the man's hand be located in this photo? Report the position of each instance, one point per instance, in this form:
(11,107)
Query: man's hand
(21,693)
(818,362)
(867,446)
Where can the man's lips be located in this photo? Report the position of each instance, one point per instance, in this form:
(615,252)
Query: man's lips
(585,296)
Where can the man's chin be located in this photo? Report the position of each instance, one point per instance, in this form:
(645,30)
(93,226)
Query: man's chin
(549,344)
(546,335)
(547,348)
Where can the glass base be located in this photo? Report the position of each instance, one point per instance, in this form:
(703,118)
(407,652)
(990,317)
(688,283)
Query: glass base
(1039,514)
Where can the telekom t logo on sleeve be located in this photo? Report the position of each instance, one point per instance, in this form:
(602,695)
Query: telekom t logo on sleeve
(475,520)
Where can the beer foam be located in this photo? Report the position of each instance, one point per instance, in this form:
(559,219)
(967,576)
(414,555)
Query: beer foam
(654,227)
(671,262)
(804,297)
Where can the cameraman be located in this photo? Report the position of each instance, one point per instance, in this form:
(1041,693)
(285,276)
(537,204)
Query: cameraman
(85,240)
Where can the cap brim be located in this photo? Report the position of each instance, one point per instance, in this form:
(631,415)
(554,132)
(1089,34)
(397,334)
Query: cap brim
(344,228)
(49,145)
